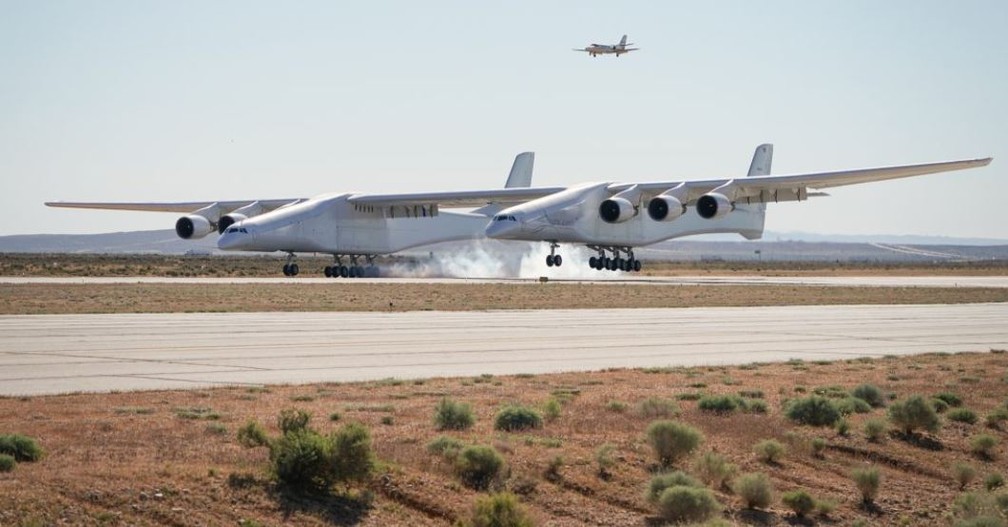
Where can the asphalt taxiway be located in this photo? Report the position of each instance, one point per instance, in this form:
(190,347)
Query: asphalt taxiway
(41,354)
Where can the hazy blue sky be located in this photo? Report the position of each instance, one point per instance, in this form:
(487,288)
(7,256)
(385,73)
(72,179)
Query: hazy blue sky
(202,100)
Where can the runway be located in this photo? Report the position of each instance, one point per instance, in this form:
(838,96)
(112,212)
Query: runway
(45,354)
(615,279)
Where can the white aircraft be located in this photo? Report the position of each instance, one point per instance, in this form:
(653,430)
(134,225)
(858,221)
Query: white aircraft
(610,217)
(608,49)
(350,226)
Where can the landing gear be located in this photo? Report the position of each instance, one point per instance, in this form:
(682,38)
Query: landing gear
(553,258)
(290,268)
(616,262)
(354,270)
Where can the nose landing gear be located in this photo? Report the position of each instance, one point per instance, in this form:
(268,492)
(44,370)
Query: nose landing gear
(553,258)
(290,268)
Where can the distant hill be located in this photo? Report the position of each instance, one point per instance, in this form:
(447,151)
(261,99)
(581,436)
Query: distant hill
(788,246)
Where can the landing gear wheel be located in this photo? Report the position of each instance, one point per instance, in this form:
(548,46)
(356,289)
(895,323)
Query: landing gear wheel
(636,266)
(360,272)
(352,272)
(592,261)
(327,271)
(343,271)
(549,261)
(286,270)
(294,269)
(557,260)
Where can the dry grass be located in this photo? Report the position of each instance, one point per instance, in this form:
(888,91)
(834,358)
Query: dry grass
(110,467)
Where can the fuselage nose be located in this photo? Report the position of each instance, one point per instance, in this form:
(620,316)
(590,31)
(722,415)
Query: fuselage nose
(236,238)
(503,226)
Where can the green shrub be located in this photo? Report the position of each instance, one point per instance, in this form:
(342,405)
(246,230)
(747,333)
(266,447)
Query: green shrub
(655,407)
(724,404)
(604,458)
(687,504)
(980,508)
(672,441)
(769,451)
(661,482)
(842,427)
(451,415)
(499,510)
(758,406)
(445,446)
(983,445)
(963,473)
(352,458)
(252,435)
(949,398)
(832,392)
(754,489)
(870,394)
(939,405)
(997,416)
(551,409)
(478,466)
(912,414)
(962,415)
(300,460)
(291,420)
(512,418)
(799,501)
(7,462)
(875,430)
(751,394)
(813,410)
(713,469)
(20,447)
(818,446)
(552,472)
(994,481)
(616,406)
(867,480)
(825,507)
(692,396)
(852,405)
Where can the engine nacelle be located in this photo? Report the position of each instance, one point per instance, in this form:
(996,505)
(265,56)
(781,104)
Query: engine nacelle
(665,208)
(193,226)
(714,205)
(228,220)
(616,210)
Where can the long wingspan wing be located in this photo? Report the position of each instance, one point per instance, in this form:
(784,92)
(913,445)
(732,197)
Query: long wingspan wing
(791,187)
(184,206)
(465,198)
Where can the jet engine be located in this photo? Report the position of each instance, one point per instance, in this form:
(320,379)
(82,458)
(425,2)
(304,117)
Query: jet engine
(713,205)
(228,220)
(616,210)
(193,226)
(665,208)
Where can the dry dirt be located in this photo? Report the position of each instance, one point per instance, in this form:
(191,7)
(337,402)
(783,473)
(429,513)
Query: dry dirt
(130,459)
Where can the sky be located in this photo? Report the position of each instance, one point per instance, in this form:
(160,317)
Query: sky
(131,100)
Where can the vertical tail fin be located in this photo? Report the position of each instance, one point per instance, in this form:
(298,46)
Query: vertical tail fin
(622,42)
(521,171)
(761,160)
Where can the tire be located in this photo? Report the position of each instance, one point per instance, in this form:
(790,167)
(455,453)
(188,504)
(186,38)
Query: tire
(557,260)
(360,272)
(343,271)
(294,269)
(591,262)
(637,266)
(327,272)
(286,269)
(549,261)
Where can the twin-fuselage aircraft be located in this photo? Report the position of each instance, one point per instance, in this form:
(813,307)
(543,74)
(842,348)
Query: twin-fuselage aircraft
(611,218)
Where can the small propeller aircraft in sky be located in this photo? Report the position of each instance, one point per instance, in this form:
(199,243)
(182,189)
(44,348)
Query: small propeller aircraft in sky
(608,49)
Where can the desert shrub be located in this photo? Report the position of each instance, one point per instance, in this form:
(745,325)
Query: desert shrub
(687,504)
(997,416)
(499,510)
(799,501)
(655,407)
(980,509)
(713,469)
(451,415)
(818,446)
(769,451)
(20,447)
(445,446)
(551,409)
(661,482)
(870,394)
(291,420)
(252,435)
(949,398)
(300,460)
(725,404)
(7,462)
(875,430)
(833,392)
(616,406)
(692,396)
(813,410)
(912,414)
(939,405)
(867,480)
(478,466)
(757,406)
(825,507)
(604,458)
(352,457)
(994,481)
(754,489)
(672,441)
(983,445)
(852,405)
(751,394)
(842,427)
(963,473)
(512,418)
(962,415)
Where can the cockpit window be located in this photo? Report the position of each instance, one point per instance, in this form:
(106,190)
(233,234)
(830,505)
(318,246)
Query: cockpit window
(237,229)
(504,217)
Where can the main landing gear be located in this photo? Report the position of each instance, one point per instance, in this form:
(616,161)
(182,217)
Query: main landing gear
(616,262)
(354,270)
(553,258)
(290,268)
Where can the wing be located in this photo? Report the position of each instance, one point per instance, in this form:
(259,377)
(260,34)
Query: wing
(762,189)
(182,206)
(465,198)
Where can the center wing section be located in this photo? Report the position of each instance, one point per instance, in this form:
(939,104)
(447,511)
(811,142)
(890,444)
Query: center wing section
(456,199)
(795,187)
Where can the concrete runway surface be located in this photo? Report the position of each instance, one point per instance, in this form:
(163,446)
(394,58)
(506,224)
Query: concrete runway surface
(41,354)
